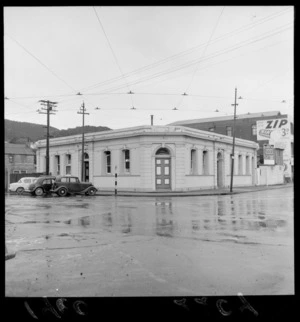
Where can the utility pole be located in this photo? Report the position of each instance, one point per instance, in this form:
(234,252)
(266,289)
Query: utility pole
(233,141)
(48,109)
(83,112)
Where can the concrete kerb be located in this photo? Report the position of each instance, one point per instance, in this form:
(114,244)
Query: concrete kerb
(214,192)
(9,255)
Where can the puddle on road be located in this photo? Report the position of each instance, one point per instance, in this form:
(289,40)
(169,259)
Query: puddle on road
(223,218)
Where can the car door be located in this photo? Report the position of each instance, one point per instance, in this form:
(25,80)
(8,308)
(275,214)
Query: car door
(47,184)
(75,185)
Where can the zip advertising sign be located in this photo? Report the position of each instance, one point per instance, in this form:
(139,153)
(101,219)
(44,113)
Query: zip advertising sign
(278,129)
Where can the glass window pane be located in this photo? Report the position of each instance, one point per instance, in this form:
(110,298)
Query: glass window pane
(167,181)
(158,181)
(167,172)
(158,170)
(158,161)
(167,161)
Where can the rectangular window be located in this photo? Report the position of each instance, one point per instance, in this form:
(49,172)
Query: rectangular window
(240,165)
(193,161)
(211,129)
(16,171)
(254,129)
(229,130)
(23,171)
(68,162)
(205,162)
(108,162)
(11,159)
(247,165)
(23,158)
(126,160)
(57,157)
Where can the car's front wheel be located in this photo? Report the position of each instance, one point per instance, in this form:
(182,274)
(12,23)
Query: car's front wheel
(62,192)
(92,192)
(39,191)
(20,190)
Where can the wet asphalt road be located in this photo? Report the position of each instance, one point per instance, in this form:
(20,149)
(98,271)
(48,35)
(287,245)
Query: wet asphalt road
(148,246)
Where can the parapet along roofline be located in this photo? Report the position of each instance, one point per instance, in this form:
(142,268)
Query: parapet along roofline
(147,131)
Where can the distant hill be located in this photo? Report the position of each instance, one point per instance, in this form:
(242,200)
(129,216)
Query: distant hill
(21,132)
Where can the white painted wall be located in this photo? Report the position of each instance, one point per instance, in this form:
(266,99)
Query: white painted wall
(270,175)
(142,160)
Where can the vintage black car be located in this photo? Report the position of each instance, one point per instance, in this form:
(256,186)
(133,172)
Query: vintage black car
(42,185)
(64,185)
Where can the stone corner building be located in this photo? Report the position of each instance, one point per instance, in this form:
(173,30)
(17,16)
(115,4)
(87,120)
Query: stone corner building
(153,158)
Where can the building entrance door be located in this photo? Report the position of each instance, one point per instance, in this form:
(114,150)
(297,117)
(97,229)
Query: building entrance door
(219,170)
(86,176)
(163,173)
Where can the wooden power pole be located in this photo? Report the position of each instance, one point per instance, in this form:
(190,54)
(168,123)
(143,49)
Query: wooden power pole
(83,112)
(233,141)
(49,110)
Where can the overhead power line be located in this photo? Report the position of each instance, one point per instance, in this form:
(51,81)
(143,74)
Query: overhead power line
(40,62)
(203,54)
(114,55)
(222,52)
(186,52)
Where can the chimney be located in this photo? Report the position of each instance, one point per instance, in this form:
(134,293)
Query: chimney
(151,120)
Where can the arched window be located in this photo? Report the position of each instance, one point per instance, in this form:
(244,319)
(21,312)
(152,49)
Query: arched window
(86,156)
(162,151)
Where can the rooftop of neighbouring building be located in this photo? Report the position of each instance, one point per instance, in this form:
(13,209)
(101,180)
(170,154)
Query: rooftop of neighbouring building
(230,117)
(11,148)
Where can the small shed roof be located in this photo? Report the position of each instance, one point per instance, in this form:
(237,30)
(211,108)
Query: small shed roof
(15,149)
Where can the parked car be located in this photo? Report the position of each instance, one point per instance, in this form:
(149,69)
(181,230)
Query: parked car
(42,185)
(64,185)
(22,184)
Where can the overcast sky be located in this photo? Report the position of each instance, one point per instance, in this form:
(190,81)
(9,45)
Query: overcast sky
(158,53)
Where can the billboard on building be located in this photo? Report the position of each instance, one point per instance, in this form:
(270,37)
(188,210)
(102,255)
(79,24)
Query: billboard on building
(276,129)
(277,133)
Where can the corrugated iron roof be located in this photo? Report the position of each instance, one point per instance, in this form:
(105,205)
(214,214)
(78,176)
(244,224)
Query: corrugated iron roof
(11,148)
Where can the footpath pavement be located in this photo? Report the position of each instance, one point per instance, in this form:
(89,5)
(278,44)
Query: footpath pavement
(202,192)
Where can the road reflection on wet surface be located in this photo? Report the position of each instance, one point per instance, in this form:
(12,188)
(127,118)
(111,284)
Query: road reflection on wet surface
(152,239)
(244,218)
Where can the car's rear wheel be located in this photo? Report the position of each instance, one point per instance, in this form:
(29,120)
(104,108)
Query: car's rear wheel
(39,191)
(20,190)
(62,192)
(92,192)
